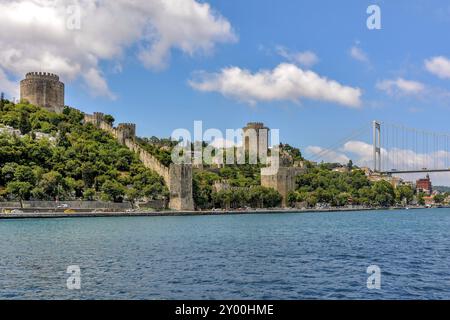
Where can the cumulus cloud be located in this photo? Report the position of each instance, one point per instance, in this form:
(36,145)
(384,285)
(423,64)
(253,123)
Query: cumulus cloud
(34,35)
(327,155)
(305,58)
(439,66)
(358,54)
(401,86)
(8,86)
(285,82)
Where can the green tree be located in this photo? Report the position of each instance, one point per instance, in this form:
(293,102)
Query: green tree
(109,119)
(420,198)
(2,101)
(89,194)
(439,198)
(384,193)
(24,123)
(19,190)
(404,194)
(113,191)
(53,184)
(350,165)
(132,195)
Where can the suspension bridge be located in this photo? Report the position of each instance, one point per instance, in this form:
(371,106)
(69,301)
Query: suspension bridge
(388,148)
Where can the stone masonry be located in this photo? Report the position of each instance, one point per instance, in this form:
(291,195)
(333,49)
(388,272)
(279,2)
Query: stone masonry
(43,89)
(178,178)
(283,180)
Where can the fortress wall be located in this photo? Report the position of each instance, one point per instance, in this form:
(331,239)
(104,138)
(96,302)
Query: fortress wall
(180,187)
(149,160)
(178,178)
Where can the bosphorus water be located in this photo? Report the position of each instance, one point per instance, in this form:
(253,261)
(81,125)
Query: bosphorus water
(255,256)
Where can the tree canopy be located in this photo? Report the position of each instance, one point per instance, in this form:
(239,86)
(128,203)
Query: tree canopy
(69,160)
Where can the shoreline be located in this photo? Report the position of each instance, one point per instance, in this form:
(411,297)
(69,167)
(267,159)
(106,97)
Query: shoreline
(50,215)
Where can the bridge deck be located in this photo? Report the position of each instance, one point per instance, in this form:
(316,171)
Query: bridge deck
(415,171)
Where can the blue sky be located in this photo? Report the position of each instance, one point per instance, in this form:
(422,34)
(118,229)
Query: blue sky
(388,66)
(411,32)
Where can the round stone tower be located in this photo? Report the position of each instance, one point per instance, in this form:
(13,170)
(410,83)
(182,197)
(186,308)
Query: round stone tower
(256,138)
(43,89)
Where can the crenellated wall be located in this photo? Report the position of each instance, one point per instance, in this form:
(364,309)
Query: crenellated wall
(149,160)
(178,178)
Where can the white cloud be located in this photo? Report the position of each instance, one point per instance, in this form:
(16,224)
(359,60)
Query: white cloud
(305,58)
(34,36)
(401,86)
(439,66)
(358,54)
(98,85)
(285,82)
(327,155)
(7,86)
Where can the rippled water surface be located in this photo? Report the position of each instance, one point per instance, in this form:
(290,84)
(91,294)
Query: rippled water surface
(273,256)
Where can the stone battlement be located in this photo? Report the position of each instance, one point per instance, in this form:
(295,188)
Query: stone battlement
(42,75)
(127,126)
(255,125)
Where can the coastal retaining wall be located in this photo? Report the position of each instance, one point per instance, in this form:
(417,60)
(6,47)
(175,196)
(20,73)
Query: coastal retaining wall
(178,178)
(70,205)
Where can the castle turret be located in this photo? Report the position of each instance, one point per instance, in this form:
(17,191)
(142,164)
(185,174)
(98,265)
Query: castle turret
(43,89)
(126,131)
(256,138)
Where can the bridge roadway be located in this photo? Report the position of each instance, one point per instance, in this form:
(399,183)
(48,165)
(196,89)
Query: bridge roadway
(414,171)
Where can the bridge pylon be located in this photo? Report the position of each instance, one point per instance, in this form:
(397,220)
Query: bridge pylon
(376,126)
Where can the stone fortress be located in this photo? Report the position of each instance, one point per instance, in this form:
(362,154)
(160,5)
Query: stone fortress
(43,89)
(178,177)
(283,180)
(256,136)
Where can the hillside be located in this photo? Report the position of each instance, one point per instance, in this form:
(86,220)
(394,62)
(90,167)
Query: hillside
(53,156)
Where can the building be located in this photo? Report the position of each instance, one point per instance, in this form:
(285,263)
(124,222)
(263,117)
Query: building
(43,89)
(424,185)
(256,138)
(394,181)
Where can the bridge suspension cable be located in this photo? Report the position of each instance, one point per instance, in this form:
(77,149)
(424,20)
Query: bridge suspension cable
(413,150)
(335,147)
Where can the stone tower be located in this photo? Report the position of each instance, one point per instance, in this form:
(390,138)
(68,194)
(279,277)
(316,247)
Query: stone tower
(43,89)
(125,131)
(256,138)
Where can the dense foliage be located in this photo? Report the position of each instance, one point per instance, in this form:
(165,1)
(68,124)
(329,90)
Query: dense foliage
(243,190)
(320,185)
(73,161)
(161,149)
